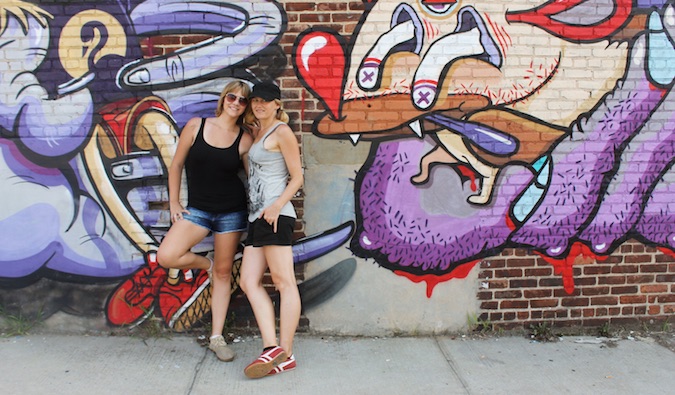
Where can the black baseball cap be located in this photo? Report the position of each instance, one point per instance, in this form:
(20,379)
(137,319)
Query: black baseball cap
(266,90)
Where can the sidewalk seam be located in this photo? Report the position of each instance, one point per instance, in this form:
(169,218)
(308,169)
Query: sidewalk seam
(452,364)
(198,368)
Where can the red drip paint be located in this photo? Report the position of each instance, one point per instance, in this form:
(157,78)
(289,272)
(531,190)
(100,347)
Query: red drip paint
(470,174)
(432,280)
(667,251)
(565,266)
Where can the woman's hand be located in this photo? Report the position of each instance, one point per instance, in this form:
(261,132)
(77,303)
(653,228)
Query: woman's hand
(271,215)
(177,210)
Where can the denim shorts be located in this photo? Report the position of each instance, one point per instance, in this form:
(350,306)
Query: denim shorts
(218,222)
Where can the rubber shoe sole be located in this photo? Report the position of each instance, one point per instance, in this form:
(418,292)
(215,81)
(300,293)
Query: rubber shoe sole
(267,361)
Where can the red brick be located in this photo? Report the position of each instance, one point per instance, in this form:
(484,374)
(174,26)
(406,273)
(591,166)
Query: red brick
(508,294)
(669,309)
(539,272)
(664,258)
(595,291)
(498,284)
(494,263)
(665,278)
(654,268)
(484,295)
(524,262)
(641,279)
(489,305)
(303,6)
(627,289)
(537,293)
(632,299)
(637,258)
(653,310)
(597,269)
(551,282)
(604,300)
(669,298)
(654,288)
(585,281)
(574,302)
(529,283)
(513,304)
(624,268)
(540,303)
(612,280)
(509,273)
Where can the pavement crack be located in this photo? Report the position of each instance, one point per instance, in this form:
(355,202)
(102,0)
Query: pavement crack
(198,369)
(453,365)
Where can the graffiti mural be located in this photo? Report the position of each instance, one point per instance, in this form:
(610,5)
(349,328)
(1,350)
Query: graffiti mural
(561,143)
(90,114)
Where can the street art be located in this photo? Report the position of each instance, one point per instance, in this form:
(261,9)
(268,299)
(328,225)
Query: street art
(90,115)
(480,142)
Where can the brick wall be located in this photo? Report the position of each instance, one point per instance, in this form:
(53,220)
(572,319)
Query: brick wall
(633,287)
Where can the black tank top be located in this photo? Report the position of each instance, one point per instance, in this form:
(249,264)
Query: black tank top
(212,176)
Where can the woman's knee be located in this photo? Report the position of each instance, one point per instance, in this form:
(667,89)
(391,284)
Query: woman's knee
(166,257)
(222,271)
(284,282)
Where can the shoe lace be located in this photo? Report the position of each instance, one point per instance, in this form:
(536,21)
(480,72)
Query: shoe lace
(218,341)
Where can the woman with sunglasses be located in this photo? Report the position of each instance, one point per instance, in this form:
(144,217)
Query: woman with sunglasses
(275,176)
(211,151)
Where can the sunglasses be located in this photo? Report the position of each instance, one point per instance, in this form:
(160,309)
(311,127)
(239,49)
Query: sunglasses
(231,97)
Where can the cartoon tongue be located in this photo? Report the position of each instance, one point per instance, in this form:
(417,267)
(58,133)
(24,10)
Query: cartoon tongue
(320,59)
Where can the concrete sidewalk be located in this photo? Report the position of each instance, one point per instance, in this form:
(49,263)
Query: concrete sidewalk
(57,364)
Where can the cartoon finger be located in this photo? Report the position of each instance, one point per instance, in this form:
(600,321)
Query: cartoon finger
(368,72)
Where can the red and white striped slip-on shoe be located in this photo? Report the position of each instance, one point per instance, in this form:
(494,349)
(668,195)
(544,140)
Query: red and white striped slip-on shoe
(285,366)
(267,361)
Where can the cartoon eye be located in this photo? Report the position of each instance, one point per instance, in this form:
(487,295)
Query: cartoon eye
(439,7)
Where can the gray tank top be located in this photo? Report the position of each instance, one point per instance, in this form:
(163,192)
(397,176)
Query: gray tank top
(267,178)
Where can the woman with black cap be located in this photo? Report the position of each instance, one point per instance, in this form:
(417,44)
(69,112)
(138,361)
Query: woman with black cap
(275,176)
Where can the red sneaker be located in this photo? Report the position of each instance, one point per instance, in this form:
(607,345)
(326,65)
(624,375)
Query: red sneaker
(185,303)
(132,302)
(285,366)
(267,361)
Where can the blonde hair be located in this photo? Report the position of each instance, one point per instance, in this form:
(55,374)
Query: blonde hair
(229,88)
(281,115)
(21,10)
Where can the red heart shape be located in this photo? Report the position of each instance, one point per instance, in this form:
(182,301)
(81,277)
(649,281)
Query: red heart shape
(320,62)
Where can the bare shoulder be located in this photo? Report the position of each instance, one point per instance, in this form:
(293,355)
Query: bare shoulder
(192,126)
(284,131)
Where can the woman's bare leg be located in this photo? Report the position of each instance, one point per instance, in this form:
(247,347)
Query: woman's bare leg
(225,247)
(280,262)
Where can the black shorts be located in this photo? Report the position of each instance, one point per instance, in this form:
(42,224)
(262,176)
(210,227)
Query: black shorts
(260,233)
